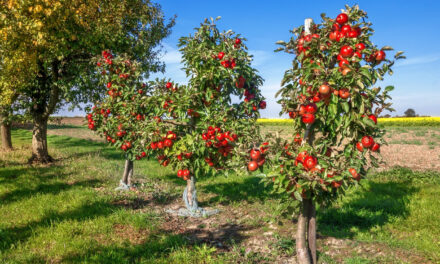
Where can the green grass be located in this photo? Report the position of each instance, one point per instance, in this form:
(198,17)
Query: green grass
(69,213)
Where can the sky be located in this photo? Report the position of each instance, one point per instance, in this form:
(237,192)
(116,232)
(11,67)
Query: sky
(409,26)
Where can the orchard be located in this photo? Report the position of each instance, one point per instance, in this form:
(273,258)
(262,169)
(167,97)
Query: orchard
(205,174)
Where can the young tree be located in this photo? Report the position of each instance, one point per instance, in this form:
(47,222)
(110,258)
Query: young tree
(214,129)
(330,96)
(59,38)
(127,116)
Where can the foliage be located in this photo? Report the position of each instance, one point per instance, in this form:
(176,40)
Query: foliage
(213,130)
(53,42)
(126,115)
(329,94)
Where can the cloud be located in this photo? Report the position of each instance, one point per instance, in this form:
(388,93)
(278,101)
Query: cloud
(419,60)
(171,55)
(259,57)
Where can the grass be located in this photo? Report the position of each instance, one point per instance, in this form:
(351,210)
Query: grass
(69,213)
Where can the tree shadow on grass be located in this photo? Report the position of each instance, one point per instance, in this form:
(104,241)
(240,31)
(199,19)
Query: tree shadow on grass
(368,209)
(249,190)
(160,244)
(43,188)
(20,233)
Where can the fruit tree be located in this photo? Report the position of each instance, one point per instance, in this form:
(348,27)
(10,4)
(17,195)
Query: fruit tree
(213,115)
(332,95)
(125,117)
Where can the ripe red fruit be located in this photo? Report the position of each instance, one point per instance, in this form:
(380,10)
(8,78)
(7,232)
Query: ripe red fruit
(168,143)
(342,18)
(262,105)
(353,34)
(379,55)
(333,35)
(252,166)
(375,147)
(143,154)
(160,145)
(343,63)
(344,93)
(220,55)
(169,85)
(373,117)
(354,173)
(308,118)
(119,134)
(311,108)
(255,154)
(346,51)
(124,147)
(109,85)
(128,144)
(367,142)
(237,41)
(310,162)
(359,146)
(360,46)
(302,110)
(185,173)
(346,29)
(153,145)
(324,89)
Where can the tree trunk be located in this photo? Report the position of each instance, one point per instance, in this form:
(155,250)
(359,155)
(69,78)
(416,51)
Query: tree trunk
(306,233)
(311,236)
(190,195)
(5,131)
(302,249)
(40,153)
(128,173)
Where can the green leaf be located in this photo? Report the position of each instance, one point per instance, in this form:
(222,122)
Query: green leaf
(389,88)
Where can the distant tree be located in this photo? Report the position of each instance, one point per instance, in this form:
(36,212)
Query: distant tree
(387,116)
(410,112)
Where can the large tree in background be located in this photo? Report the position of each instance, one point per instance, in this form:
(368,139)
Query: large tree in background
(58,39)
(15,73)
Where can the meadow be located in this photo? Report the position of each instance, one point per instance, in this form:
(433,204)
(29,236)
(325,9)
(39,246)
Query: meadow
(68,212)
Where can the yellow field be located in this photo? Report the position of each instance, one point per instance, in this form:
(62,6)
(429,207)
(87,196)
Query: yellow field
(395,121)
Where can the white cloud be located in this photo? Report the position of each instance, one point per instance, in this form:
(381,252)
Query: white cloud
(419,60)
(259,57)
(171,55)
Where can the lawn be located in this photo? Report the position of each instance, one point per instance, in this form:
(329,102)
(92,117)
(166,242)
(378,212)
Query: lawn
(69,213)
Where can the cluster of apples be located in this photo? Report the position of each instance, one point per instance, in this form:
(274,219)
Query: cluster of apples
(216,138)
(367,142)
(342,29)
(257,158)
(166,142)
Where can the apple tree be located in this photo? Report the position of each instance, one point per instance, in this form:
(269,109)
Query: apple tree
(126,116)
(214,115)
(332,94)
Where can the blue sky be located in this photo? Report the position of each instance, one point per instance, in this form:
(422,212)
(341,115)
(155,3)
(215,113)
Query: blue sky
(410,26)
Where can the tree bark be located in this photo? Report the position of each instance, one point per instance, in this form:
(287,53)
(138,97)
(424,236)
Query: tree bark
(311,235)
(5,131)
(190,191)
(302,249)
(40,152)
(128,172)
